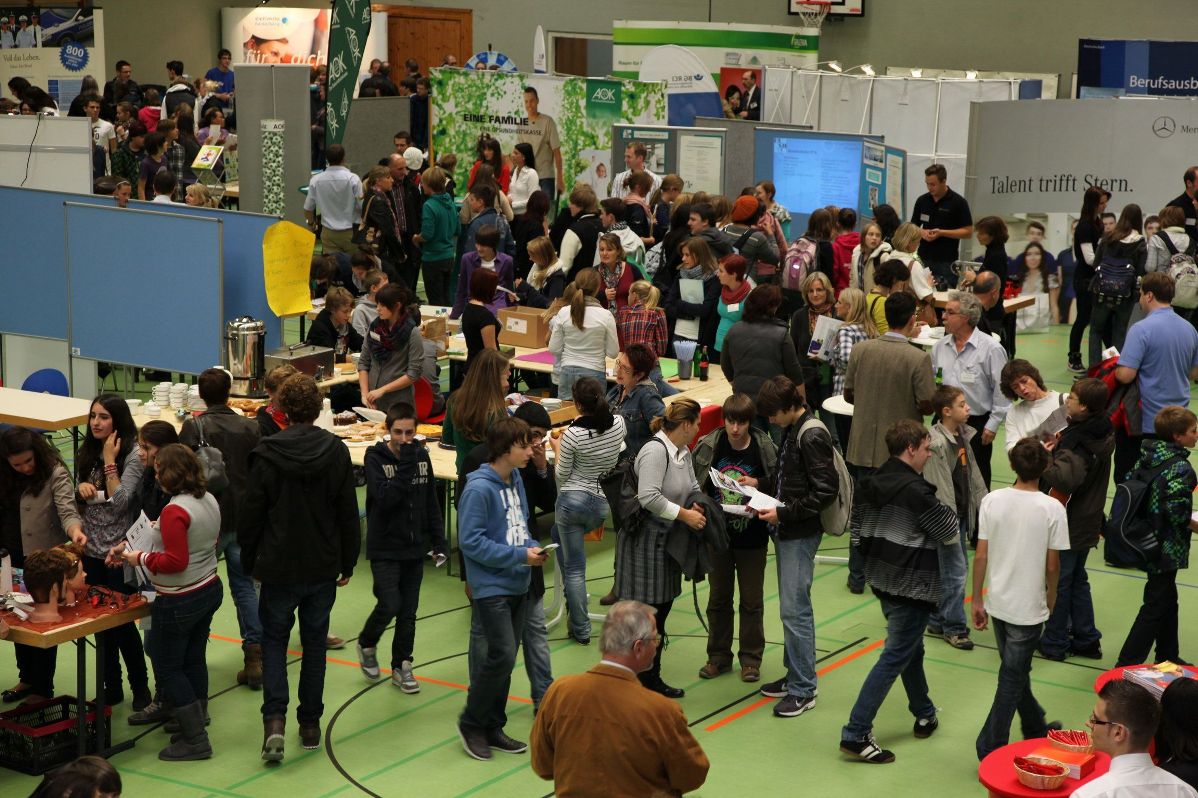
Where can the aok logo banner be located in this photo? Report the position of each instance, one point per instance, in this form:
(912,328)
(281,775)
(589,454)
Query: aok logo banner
(603,99)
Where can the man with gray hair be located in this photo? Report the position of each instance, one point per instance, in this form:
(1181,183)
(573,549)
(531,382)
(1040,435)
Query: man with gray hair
(973,361)
(574,738)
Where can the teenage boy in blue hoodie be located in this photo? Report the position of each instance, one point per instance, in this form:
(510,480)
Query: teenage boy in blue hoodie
(403,521)
(494,537)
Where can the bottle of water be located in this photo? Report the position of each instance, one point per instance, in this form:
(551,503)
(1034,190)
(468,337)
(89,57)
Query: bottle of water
(325,419)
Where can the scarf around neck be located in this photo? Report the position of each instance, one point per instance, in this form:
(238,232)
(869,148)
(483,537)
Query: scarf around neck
(731,296)
(537,277)
(814,313)
(385,339)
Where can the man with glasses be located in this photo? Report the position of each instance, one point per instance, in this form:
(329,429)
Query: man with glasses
(1123,724)
(751,97)
(578,739)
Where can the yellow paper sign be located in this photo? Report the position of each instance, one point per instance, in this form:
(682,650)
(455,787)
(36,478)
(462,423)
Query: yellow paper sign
(286,260)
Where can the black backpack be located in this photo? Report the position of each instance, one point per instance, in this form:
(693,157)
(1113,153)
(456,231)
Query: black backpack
(1131,537)
(619,487)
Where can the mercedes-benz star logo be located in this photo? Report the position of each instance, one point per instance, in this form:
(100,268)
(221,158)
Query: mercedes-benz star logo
(1164,127)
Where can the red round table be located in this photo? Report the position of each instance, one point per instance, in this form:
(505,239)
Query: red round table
(997,772)
(1115,673)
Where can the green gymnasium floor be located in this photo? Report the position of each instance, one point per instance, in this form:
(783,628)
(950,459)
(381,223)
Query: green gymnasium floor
(382,742)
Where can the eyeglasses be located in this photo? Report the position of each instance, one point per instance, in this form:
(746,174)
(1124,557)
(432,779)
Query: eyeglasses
(621,367)
(1094,721)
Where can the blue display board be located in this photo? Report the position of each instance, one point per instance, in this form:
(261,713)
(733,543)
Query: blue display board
(158,305)
(41,266)
(1118,67)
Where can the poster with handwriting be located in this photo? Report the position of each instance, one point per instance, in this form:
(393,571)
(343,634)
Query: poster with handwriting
(286,259)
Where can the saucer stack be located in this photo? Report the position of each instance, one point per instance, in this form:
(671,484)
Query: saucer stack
(161,394)
(178,396)
(194,402)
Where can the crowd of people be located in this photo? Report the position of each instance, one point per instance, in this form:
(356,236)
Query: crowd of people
(650,272)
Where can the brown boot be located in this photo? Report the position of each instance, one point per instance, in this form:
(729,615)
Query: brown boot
(251,674)
(610,598)
(272,737)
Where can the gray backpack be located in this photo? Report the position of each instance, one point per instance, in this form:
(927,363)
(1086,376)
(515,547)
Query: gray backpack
(834,519)
(211,461)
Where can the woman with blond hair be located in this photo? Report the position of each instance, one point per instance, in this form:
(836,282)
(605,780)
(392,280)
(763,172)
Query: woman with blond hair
(642,321)
(546,278)
(872,250)
(905,244)
(197,195)
(583,334)
(853,310)
(818,300)
(695,321)
(479,403)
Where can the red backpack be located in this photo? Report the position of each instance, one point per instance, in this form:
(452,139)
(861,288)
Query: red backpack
(1123,403)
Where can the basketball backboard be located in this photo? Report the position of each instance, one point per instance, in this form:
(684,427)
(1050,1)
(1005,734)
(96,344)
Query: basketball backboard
(839,8)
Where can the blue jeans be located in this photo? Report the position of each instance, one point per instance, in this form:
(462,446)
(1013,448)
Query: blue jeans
(1071,624)
(796,567)
(1016,645)
(548,184)
(496,622)
(568,375)
(663,387)
(241,587)
(577,513)
(902,656)
(536,649)
(397,597)
(277,607)
(180,641)
(949,617)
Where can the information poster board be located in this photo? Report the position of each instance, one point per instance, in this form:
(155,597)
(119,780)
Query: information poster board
(717,44)
(273,35)
(53,47)
(701,161)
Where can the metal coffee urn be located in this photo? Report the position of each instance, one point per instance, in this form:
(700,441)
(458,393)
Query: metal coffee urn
(245,355)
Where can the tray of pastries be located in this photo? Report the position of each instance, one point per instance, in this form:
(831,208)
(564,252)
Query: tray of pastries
(247,407)
(361,433)
(430,432)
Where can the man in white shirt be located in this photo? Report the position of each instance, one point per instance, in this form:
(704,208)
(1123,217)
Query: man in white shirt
(1020,531)
(7,42)
(25,35)
(1123,724)
(634,158)
(338,193)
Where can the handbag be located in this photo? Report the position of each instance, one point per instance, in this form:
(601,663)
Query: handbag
(365,236)
(212,461)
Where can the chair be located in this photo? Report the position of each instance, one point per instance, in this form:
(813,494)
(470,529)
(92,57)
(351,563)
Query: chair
(423,396)
(50,381)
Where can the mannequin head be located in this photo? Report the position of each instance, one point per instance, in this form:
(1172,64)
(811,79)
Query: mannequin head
(77,580)
(46,575)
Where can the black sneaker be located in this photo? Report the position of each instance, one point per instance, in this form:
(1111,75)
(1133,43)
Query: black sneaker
(926,727)
(1075,363)
(497,740)
(774,689)
(856,590)
(792,706)
(867,750)
(1055,656)
(475,743)
(1092,651)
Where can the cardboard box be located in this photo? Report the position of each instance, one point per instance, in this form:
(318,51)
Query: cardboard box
(434,328)
(563,415)
(1080,765)
(524,327)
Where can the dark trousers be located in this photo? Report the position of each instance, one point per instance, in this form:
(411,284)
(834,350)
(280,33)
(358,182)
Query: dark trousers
(36,667)
(943,272)
(121,642)
(549,186)
(497,622)
(856,559)
(981,451)
(1071,625)
(278,606)
(745,567)
(397,596)
(437,276)
(1155,623)
(652,677)
(180,642)
(1082,321)
(1016,645)
(1127,452)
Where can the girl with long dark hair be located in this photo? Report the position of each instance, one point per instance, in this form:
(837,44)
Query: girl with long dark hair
(1086,237)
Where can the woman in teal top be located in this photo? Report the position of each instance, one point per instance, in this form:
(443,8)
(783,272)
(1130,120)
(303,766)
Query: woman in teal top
(734,287)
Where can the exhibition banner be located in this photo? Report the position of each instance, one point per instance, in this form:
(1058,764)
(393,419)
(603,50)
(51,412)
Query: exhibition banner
(716,44)
(53,47)
(274,202)
(347,38)
(469,103)
(1137,150)
(1115,67)
(690,91)
(273,35)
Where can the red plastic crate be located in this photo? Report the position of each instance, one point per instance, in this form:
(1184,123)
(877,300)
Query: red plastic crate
(35,738)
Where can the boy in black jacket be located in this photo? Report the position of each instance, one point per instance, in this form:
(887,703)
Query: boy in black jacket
(403,517)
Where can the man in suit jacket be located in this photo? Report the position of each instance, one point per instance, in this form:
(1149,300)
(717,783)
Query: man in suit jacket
(888,379)
(751,102)
(573,738)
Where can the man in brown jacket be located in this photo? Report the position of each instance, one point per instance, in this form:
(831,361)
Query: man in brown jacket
(572,741)
(887,380)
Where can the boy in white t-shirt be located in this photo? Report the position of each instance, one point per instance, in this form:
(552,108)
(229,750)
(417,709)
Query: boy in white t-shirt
(1020,531)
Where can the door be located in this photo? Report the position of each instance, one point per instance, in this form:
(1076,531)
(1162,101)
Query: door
(427,34)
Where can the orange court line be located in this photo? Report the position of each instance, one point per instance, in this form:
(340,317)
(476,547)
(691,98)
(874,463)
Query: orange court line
(353,664)
(756,705)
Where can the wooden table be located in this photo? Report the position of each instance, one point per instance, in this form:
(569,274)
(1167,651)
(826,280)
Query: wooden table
(44,411)
(997,772)
(940,298)
(76,630)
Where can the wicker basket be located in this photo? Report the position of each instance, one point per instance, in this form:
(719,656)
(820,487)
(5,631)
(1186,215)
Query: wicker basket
(1064,746)
(1038,782)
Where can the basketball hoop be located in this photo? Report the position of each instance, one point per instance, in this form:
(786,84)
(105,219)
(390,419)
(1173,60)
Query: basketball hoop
(812,13)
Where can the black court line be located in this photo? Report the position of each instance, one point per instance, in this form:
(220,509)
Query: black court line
(328,731)
(1038,656)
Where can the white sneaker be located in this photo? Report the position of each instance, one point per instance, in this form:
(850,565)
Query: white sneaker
(368,661)
(402,678)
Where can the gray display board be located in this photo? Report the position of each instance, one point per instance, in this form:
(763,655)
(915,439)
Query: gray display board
(371,128)
(47,152)
(738,148)
(274,91)
(673,149)
(1136,149)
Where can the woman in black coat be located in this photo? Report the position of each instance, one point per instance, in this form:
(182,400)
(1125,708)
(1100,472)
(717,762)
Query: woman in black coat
(698,263)
(380,221)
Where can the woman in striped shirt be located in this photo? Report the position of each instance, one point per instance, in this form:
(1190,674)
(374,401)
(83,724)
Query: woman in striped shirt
(587,449)
(853,310)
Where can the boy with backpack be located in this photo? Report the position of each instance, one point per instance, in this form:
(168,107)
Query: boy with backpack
(954,473)
(1020,532)
(807,481)
(1078,477)
(1164,465)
